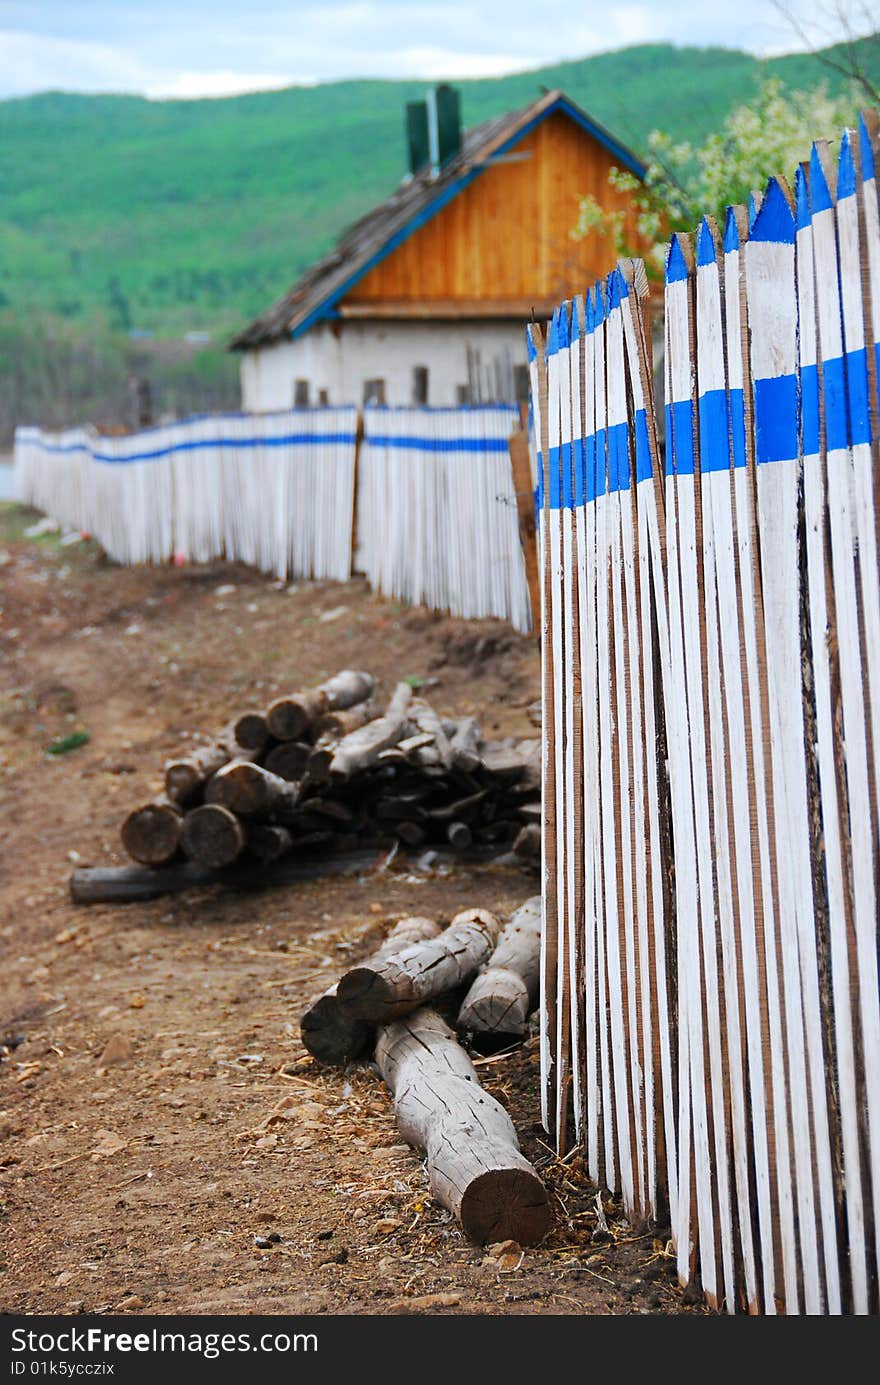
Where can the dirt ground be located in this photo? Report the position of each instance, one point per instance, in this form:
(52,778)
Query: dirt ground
(214,1167)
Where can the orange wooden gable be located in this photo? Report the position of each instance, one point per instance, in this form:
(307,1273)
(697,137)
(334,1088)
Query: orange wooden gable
(503,244)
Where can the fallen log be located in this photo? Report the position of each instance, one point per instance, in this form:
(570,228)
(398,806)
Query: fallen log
(151,833)
(474,1161)
(129,884)
(333,728)
(459,835)
(290,716)
(363,747)
(212,836)
(330,1032)
(383,990)
(503,995)
(250,790)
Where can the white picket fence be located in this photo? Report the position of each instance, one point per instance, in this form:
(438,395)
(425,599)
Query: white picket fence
(711,667)
(437,518)
(272,490)
(436,511)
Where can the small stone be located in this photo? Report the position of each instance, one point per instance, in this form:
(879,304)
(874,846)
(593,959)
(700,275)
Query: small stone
(63,1278)
(324,1235)
(116,1050)
(263,1242)
(136,1001)
(132,1304)
(274,1237)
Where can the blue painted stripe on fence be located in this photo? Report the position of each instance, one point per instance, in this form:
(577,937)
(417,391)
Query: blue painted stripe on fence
(810,410)
(738,427)
(579,464)
(714,431)
(867,151)
(857,396)
(834,391)
(590,467)
(567,484)
(680,438)
(846,169)
(618,457)
(644,469)
(731,231)
(201,444)
(440,444)
(600,463)
(776,419)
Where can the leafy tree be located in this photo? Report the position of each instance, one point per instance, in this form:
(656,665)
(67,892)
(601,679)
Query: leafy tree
(685,182)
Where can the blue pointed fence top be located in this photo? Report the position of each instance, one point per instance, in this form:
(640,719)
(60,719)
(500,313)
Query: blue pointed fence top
(601,312)
(590,311)
(754,208)
(553,334)
(531,353)
(613,290)
(866,149)
(820,193)
(846,169)
(676,265)
(577,329)
(802,199)
(775,220)
(707,252)
(731,231)
(564,327)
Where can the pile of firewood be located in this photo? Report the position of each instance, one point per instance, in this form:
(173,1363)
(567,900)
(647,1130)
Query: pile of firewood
(485,977)
(328,769)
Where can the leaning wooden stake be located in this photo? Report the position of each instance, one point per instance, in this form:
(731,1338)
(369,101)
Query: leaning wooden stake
(502,997)
(330,1032)
(379,991)
(474,1161)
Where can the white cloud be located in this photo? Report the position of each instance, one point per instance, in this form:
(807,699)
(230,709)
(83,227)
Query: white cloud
(190,48)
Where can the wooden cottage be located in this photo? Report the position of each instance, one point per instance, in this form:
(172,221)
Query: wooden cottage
(425,299)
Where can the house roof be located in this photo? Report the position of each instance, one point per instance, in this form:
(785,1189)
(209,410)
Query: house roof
(315,295)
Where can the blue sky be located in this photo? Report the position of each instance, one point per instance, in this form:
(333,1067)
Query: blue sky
(218,47)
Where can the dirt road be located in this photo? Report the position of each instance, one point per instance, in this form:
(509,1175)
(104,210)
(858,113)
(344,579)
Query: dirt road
(206,1163)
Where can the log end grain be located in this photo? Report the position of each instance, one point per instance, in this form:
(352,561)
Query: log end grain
(212,836)
(182,780)
(151,834)
(331,1033)
(251,731)
(506,1204)
(365,993)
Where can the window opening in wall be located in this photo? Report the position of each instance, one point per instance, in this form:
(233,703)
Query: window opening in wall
(420,384)
(521,384)
(462,394)
(374,391)
(324,397)
(300,394)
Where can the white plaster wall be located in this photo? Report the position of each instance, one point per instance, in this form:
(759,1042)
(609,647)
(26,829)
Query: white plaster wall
(340,357)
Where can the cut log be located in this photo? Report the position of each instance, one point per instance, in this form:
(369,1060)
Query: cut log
(363,747)
(339,724)
(474,1161)
(466,742)
(212,836)
(459,835)
(527,843)
(185,775)
(290,716)
(151,833)
(250,790)
(252,732)
(332,729)
(411,833)
(503,995)
(384,990)
(329,1031)
(268,842)
(423,716)
(288,760)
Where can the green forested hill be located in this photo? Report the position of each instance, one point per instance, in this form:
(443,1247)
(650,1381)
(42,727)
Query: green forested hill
(178,215)
(121,217)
